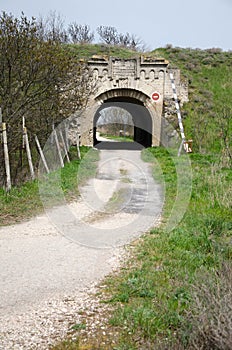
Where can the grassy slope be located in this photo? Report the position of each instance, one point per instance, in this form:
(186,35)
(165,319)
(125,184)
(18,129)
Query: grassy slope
(209,76)
(87,50)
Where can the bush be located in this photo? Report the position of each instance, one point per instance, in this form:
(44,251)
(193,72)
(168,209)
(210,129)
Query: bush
(211,317)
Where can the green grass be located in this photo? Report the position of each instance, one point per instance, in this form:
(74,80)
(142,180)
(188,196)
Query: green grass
(20,203)
(25,201)
(118,138)
(87,50)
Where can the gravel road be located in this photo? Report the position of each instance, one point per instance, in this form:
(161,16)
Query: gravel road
(51,263)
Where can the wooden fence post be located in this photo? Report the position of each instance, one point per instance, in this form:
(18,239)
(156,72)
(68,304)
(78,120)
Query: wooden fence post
(41,154)
(6,156)
(26,142)
(58,146)
(66,136)
(65,148)
(1,122)
(78,146)
(23,132)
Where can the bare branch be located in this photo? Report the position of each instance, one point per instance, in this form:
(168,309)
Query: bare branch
(80,34)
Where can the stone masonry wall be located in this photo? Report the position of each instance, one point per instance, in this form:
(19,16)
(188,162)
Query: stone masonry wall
(135,78)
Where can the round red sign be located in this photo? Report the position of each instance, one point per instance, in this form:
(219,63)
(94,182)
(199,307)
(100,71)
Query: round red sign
(155,96)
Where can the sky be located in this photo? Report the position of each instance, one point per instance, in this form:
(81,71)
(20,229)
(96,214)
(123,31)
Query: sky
(189,24)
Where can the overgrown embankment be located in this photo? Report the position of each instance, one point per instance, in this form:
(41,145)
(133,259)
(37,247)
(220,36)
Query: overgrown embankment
(208,114)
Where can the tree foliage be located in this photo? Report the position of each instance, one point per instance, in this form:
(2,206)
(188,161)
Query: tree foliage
(38,80)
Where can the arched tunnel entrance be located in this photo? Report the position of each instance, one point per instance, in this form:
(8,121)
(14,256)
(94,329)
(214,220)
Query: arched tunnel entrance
(140,116)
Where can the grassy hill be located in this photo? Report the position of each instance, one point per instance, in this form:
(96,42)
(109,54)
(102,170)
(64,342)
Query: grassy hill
(208,114)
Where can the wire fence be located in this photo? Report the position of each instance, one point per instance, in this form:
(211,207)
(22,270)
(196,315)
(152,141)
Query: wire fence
(23,163)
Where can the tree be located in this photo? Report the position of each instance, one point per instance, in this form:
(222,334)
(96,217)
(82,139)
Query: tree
(114,119)
(80,34)
(38,80)
(108,35)
(130,41)
(136,43)
(52,28)
(124,39)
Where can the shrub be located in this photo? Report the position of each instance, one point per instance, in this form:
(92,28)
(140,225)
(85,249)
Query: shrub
(211,317)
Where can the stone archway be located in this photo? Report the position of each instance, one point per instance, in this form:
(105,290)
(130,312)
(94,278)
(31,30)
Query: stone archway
(135,83)
(142,120)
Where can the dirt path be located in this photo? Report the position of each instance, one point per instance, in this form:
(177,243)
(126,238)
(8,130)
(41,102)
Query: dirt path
(50,263)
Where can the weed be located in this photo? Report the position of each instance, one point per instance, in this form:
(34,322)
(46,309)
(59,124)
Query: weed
(67,345)
(209,324)
(78,326)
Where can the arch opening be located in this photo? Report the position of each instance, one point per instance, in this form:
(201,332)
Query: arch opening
(137,120)
(115,123)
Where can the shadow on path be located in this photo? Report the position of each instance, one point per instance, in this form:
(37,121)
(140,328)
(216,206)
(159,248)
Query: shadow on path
(108,145)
